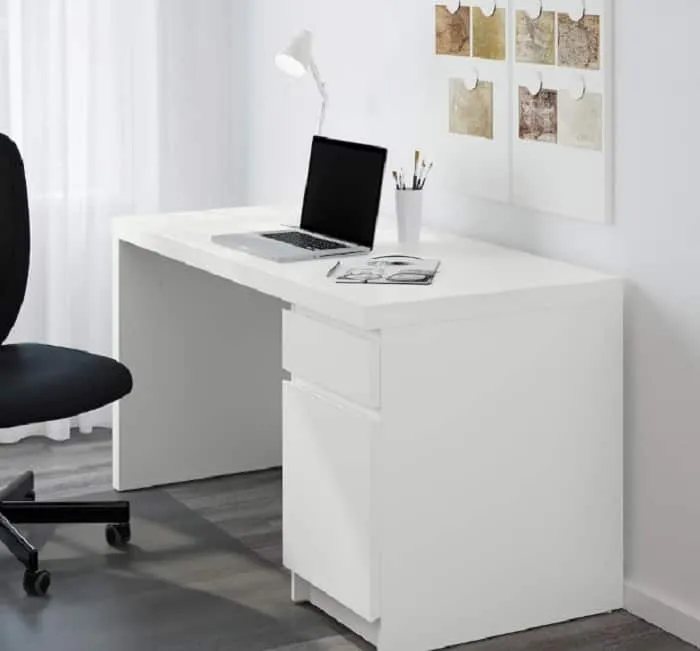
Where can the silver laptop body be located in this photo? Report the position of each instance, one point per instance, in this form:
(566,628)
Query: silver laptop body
(341,207)
(261,246)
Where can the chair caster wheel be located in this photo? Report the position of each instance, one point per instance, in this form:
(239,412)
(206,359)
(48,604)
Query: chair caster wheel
(37,584)
(118,535)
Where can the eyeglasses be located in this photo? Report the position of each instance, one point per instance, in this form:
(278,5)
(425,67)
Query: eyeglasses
(393,261)
(368,276)
(387,269)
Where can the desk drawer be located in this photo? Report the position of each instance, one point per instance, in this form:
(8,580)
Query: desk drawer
(332,357)
(328,524)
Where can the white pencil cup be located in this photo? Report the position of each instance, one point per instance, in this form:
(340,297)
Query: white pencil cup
(409,213)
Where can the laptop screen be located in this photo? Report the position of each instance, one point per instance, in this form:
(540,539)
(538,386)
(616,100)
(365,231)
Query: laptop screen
(343,190)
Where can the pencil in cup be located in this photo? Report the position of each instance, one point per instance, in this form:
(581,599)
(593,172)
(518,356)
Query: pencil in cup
(425,173)
(416,167)
(420,177)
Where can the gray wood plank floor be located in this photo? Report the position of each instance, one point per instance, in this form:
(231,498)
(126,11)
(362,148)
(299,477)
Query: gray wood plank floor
(170,593)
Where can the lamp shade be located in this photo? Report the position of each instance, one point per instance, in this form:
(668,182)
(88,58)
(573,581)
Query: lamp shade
(296,60)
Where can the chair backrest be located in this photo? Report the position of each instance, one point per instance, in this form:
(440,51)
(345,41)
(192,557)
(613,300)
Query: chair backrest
(14,235)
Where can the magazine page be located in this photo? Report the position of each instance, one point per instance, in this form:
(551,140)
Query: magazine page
(388,270)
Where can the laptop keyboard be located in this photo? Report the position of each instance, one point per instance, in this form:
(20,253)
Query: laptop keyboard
(304,241)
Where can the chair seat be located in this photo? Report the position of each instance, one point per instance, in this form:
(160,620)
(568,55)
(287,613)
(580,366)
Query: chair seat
(39,384)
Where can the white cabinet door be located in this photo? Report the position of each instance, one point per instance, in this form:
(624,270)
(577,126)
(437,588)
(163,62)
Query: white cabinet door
(329,537)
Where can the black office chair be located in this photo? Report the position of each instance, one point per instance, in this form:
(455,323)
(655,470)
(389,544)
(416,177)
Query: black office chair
(43,383)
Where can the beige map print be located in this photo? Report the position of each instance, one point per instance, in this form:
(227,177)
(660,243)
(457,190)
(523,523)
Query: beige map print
(581,121)
(534,39)
(452,31)
(471,111)
(538,115)
(489,34)
(579,42)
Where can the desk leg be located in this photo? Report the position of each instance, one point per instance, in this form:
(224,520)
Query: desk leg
(206,355)
(301,590)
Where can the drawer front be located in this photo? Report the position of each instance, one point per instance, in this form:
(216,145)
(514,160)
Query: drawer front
(329,537)
(333,358)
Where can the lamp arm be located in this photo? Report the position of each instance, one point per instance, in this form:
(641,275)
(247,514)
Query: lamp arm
(323,91)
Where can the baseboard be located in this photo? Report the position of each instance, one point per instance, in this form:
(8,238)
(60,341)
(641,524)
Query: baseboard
(671,617)
(17,434)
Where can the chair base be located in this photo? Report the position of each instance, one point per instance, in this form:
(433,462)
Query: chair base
(18,505)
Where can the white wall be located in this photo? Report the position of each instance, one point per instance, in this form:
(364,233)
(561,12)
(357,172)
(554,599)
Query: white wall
(360,47)
(203,79)
(374,56)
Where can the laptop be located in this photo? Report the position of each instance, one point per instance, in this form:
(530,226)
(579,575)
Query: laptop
(341,206)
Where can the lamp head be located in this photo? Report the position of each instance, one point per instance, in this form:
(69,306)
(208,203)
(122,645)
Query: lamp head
(296,59)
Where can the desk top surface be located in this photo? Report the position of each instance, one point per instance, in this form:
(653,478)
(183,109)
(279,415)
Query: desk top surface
(475,276)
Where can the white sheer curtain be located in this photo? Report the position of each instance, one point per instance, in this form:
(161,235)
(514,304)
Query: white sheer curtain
(118,106)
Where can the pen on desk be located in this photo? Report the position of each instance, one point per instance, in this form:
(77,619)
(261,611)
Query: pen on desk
(333,269)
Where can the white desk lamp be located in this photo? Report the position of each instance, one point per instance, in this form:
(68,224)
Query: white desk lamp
(297,60)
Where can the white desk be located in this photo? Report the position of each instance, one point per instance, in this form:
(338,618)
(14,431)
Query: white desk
(452,455)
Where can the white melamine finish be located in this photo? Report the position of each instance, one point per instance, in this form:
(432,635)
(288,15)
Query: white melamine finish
(304,592)
(333,357)
(476,277)
(366,630)
(654,242)
(329,533)
(301,589)
(206,359)
(520,428)
(462,479)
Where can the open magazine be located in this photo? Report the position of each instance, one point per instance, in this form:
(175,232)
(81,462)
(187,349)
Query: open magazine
(388,270)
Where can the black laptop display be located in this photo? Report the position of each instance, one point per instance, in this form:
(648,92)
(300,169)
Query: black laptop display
(343,190)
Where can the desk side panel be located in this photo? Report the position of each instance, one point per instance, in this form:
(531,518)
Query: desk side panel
(500,473)
(206,355)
